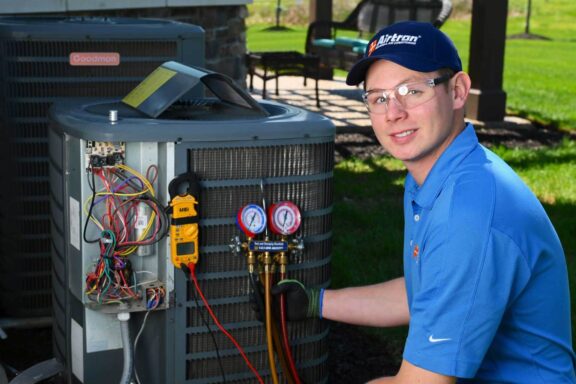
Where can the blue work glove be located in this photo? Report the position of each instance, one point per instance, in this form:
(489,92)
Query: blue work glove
(301,302)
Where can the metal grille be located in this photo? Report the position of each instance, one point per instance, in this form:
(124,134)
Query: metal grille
(230,178)
(308,195)
(35,72)
(262,162)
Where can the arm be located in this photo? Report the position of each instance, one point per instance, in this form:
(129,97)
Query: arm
(382,305)
(411,374)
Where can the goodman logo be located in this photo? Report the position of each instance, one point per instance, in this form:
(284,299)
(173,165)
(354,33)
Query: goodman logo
(95,58)
(394,39)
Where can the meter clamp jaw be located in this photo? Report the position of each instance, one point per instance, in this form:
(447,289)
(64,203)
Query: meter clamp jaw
(184,232)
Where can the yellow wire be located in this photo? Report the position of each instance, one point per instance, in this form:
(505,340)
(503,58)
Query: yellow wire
(149,188)
(138,175)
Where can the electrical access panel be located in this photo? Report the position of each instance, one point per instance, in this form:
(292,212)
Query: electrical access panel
(118,224)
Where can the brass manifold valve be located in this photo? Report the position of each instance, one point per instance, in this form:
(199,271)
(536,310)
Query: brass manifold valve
(283,219)
(267,251)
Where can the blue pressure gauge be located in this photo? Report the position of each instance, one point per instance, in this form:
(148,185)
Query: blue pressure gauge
(251,219)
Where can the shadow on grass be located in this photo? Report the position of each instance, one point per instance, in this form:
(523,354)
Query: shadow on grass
(368,225)
(563,216)
(541,158)
(277,28)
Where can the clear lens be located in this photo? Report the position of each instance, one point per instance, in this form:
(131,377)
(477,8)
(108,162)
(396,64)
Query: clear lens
(407,96)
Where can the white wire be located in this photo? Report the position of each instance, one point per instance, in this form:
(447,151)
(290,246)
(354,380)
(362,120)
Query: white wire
(136,343)
(145,282)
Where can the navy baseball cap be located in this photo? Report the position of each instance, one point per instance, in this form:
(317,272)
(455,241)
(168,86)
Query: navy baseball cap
(417,46)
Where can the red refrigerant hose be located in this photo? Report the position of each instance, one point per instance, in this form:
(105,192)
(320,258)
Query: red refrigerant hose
(192,268)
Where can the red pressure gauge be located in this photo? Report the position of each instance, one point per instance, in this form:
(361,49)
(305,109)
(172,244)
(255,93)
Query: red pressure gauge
(251,219)
(284,217)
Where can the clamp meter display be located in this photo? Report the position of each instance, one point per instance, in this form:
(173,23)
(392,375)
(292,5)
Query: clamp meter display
(251,219)
(285,218)
(184,224)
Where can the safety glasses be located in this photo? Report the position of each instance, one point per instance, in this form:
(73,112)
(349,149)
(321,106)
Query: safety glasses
(407,95)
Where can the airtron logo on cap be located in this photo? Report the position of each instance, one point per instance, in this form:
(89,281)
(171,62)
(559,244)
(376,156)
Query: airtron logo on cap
(394,39)
(95,58)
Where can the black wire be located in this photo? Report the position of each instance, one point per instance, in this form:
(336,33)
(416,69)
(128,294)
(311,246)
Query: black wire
(209,331)
(93,188)
(258,300)
(162,229)
(163,222)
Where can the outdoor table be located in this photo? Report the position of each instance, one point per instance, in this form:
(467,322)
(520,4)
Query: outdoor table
(272,65)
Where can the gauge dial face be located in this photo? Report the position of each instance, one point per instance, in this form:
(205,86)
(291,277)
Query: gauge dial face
(252,219)
(285,218)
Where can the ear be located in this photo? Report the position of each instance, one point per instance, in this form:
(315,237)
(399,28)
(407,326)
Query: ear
(461,84)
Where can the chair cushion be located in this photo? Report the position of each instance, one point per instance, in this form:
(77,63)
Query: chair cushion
(350,41)
(327,43)
(360,49)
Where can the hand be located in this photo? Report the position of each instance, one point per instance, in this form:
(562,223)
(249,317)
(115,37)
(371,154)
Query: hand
(301,302)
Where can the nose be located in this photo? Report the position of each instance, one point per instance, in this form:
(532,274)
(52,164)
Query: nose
(394,111)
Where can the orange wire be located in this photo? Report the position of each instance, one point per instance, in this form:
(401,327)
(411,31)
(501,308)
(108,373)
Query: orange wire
(192,268)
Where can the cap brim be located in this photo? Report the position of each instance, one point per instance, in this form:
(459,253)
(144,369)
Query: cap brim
(358,71)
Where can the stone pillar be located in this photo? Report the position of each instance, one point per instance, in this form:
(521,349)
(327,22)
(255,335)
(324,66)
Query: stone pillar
(487,101)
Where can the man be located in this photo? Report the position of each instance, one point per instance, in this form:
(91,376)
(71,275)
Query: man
(485,288)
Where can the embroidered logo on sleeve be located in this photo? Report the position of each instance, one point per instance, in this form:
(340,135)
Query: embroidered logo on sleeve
(432,339)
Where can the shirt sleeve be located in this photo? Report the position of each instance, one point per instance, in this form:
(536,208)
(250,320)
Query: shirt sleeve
(468,274)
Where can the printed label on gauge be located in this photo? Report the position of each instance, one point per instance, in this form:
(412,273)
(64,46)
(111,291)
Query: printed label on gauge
(285,218)
(268,246)
(252,220)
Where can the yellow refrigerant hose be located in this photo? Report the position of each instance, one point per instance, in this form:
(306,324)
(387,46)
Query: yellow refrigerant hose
(277,340)
(268,305)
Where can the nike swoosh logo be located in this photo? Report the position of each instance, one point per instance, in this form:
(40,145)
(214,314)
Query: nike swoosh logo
(434,340)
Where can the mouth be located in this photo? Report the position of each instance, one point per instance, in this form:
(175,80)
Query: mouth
(402,134)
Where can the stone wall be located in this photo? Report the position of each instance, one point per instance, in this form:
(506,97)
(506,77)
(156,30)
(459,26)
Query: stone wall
(224,26)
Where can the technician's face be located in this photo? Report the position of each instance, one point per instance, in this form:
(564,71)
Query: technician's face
(416,135)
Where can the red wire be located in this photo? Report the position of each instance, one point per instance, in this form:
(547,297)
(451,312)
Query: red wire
(192,267)
(284,327)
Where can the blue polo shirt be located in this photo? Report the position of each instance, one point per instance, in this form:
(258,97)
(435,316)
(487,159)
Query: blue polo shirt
(485,274)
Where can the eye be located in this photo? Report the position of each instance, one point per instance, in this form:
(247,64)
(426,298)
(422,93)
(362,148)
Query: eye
(377,98)
(380,100)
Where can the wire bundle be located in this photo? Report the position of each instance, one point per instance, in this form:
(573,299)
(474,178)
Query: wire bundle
(154,297)
(115,208)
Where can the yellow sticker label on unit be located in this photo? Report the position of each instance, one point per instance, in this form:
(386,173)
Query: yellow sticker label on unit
(146,88)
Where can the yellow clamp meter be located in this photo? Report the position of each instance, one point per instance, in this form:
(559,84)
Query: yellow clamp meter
(184,223)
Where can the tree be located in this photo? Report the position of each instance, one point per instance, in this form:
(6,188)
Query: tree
(527,34)
(278,11)
(528,14)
